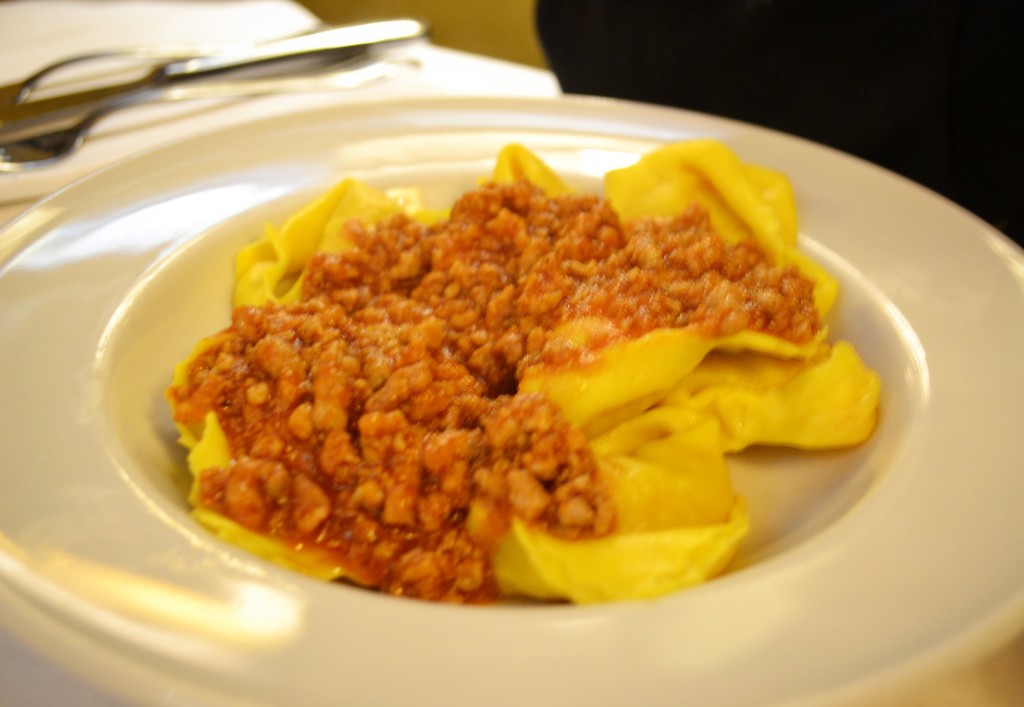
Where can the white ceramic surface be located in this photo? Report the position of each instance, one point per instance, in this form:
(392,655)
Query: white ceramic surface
(867,571)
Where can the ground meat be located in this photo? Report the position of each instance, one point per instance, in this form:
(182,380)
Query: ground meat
(379,418)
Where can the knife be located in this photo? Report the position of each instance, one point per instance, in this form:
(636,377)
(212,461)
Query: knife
(32,118)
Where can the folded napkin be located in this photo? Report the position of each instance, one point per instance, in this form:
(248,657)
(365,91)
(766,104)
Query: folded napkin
(33,34)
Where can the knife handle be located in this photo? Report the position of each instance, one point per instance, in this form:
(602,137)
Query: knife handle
(344,40)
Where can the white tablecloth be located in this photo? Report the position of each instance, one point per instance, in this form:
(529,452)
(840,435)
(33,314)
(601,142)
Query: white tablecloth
(32,33)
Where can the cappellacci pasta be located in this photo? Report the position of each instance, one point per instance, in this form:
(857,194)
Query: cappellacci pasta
(532,394)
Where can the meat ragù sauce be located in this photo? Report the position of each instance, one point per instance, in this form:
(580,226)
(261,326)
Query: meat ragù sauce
(379,418)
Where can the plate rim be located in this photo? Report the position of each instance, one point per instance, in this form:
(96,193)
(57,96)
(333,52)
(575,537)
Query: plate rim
(977,640)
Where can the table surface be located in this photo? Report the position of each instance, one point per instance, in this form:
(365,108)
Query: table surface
(28,678)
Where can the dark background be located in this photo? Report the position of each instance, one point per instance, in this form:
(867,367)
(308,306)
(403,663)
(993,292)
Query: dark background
(931,89)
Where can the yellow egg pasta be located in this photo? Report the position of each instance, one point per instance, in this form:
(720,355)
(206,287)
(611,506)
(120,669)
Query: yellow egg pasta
(658,412)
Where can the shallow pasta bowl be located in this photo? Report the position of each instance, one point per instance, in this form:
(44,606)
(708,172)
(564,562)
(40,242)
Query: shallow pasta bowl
(867,571)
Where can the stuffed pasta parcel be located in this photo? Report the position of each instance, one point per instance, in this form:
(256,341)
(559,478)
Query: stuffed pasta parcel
(531,394)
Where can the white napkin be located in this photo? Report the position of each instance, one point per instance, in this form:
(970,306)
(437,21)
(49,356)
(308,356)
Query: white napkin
(33,34)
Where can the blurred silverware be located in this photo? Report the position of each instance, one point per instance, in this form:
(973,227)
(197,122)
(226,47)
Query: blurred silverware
(76,112)
(57,74)
(48,148)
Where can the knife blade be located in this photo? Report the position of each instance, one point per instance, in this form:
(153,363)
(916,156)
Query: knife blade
(25,120)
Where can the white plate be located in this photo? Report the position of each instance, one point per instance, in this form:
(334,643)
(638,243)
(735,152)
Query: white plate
(867,570)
